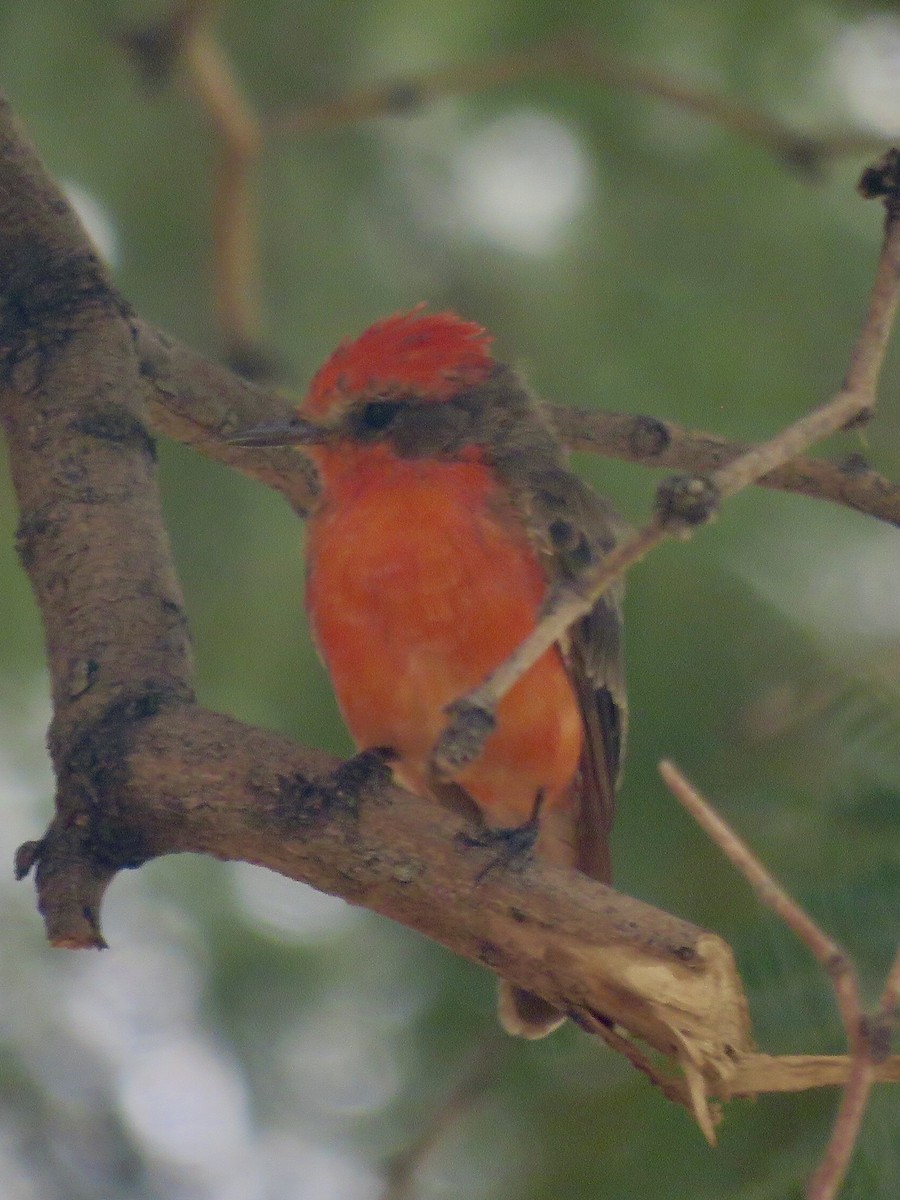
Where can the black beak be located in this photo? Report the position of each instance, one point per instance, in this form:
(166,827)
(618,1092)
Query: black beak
(297,432)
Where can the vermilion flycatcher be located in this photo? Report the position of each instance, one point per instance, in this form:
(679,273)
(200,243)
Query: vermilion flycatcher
(446,515)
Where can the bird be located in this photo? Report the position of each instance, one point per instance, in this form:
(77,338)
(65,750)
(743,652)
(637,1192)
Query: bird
(447,515)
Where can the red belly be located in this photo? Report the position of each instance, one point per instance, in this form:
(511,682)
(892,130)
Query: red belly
(417,588)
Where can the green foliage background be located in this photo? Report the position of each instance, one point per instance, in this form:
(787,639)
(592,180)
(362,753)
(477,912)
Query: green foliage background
(246,1039)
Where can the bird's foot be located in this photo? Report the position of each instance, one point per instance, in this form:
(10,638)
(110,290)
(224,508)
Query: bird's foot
(512,846)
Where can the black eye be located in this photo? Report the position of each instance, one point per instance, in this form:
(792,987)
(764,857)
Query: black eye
(378,414)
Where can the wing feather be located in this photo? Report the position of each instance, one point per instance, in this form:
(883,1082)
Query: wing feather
(596,668)
(573,527)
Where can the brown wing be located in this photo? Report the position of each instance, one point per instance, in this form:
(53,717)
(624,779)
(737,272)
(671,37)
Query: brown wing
(595,663)
(573,528)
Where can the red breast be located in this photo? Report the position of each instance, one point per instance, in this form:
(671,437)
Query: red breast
(421,580)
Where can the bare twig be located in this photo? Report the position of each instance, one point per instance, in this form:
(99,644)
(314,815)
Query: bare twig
(577,56)
(685,503)
(654,443)
(826,1179)
(673,1087)
(481,1072)
(827,952)
(235,216)
(873,1043)
(890,997)
(187,35)
(154,48)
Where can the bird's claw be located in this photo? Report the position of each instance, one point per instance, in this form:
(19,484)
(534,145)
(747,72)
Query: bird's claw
(512,845)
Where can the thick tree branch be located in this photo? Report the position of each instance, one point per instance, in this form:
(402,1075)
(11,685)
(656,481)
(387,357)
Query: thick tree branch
(191,780)
(198,402)
(91,535)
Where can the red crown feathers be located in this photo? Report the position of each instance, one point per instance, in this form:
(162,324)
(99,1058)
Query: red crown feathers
(430,355)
